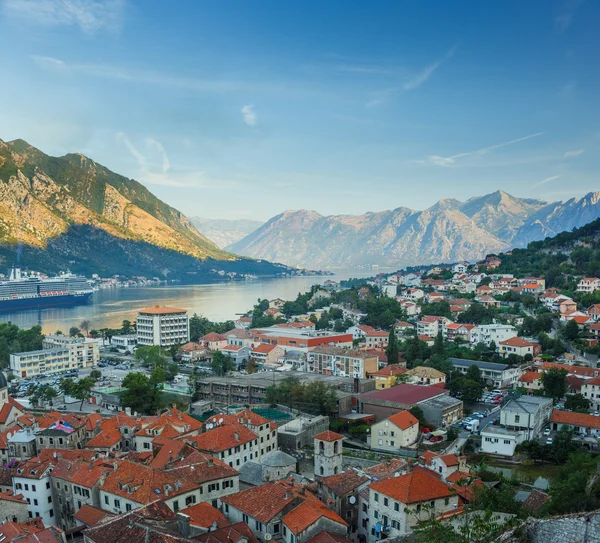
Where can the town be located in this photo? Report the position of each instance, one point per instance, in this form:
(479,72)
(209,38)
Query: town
(404,406)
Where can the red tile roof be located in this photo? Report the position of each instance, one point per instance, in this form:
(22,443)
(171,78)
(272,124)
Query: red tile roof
(327,537)
(328,435)
(263,348)
(386,469)
(90,515)
(142,484)
(199,467)
(402,394)
(403,419)
(10,405)
(517,342)
(575,419)
(223,438)
(530,377)
(10,496)
(204,514)
(389,371)
(418,486)
(262,502)
(344,482)
(213,336)
(229,534)
(450,460)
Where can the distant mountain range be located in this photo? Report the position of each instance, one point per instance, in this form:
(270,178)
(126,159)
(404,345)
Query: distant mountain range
(450,230)
(71,212)
(224,232)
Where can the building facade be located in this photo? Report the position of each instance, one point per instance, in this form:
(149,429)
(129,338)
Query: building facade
(163,326)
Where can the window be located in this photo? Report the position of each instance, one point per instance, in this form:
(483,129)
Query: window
(176,505)
(517,418)
(47,485)
(26,486)
(375,514)
(49,499)
(284,531)
(446,501)
(395,524)
(35,502)
(376,496)
(432,503)
(106,500)
(117,503)
(245,518)
(259,526)
(386,502)
(51,512)
(396,506)
(78,504)
(127,507)
(33,488)
(276,528)
(380,442)
(146,445)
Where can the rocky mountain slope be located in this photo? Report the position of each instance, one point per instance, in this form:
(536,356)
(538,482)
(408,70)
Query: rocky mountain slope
(448,231)
(46,203)
(224,232)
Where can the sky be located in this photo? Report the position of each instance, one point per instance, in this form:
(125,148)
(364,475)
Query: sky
(243,109)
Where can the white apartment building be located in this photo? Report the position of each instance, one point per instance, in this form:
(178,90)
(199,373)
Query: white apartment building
(431,326)
(498,440)
(32,479)
(84,352)
(591,390)
(163,326)
(527,414)
(124,343)
(588,284)
(328,360)
(34,363)
(486,333)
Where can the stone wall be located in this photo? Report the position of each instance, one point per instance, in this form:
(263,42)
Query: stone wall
(577,528)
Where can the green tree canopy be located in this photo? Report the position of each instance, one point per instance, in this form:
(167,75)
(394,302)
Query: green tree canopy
(554,382)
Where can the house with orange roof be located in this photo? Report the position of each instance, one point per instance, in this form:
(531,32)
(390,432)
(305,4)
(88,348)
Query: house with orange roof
(399,431)
(32,479)
(13,507)
(588,285)
(108,439)
(519,346)
(75,483)
(204,517)
(238,354)
(171,423)
(397,504)
(457,330)
(131,486)
(377,339)
(267,353)
(10,409)
(338,491)
(447,464)
(243,323)
(431,325)
(192,352)
(403,328)
(31,531)
(579,423)
(213,341)
(531,380)
(387,376)
(425,376)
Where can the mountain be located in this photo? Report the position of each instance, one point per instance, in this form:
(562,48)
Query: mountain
(450,230)
(71,212)
(224,232)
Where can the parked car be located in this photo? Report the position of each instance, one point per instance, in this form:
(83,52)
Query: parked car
(549,441)
(547,432)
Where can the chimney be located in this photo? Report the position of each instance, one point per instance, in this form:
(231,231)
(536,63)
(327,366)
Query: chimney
(183,524)
(288,494)
(236,436)
(330,504)
(267,478)
(210,462)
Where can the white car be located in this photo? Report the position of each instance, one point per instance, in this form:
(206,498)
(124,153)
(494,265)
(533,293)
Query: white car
(549,441)
(547,432)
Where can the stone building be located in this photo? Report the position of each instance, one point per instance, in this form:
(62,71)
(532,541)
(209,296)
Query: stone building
(328,453)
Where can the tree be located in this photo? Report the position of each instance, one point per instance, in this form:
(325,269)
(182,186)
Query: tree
(417,412)
(137,393)
(74,331)
(251,366)
(474,373)
(438,345)
(95,374)
(126,327)
(571,330)
(573,489)
(465,389)
(391,350)
(67,386)
(85,325)
(151,355)
(554,382)
(577,402)
(83,389)
(220,363)
(44,394)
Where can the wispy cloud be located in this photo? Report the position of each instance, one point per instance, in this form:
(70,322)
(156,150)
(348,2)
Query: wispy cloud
(547,180)
(565,19)
(418,79)
(90,16)
(151,174)
(249,115)
(574,154)
(451,160)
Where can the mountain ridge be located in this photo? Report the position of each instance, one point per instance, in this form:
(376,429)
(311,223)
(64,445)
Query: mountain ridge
(449,230)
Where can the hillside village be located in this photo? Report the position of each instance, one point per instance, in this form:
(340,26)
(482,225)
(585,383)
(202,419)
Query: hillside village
(363,410)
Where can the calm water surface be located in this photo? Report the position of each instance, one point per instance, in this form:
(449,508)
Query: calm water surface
(218,302)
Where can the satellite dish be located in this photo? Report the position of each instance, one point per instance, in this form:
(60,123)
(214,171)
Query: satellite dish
(268,537)
(214,525)
(397,474)
(352,499)
(221,420)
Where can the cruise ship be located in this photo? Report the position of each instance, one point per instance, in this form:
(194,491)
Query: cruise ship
(23,291)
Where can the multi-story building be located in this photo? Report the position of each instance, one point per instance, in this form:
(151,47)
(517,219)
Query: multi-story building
(83,352)
(518,346)
(488,333)
(528,414)
(32,479)
(388,376)
(329,360)
(494,374)
(302,339)
(423,375)
(163,326)
(591,390)
(75,483)
(588,284)
(431,325)
(398,431)
(328,453)
(36,363)
(125,343)
(398,503)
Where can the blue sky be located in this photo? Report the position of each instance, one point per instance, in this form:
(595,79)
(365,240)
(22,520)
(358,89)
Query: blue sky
(242,109)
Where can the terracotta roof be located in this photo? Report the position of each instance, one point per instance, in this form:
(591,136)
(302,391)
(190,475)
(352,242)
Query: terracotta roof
(302,517)
(10,496)
(328,435)
(264,348)
(402,324)
(204,514)
(428,456)
(80,473)
(450,460)
(344,482)
(575,419)
(327,537)
(262,502)
(198,467)
(386,469)
(158,310)
(232,348)
(108,437)
(33,468)
(425,338)
(171,423)
(142,484)
(595,382)
(418,486)
(403,419)
(82,455)
(389,371)
(229,534)
(223,438)
(378,333)
(10,404)
(402,394)
(536,500)
(20,530)
(573,370)
(90,515)
(517,342)
(530,377)
(213,336)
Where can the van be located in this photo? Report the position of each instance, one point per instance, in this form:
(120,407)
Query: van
(496,391)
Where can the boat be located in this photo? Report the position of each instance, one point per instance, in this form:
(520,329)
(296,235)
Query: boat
(29,291)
